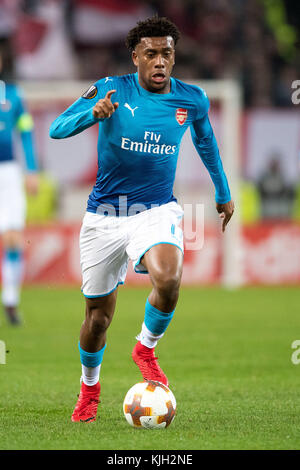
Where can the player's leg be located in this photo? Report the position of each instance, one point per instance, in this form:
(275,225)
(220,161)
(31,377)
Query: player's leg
(12,273)
(99,314)
(156,248)
(12,221)
(104,264)
(164,264)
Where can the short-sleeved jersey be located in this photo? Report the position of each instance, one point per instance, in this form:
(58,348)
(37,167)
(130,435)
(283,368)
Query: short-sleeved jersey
(138,145)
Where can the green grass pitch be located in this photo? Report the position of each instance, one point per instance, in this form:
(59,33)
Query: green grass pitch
(227,355)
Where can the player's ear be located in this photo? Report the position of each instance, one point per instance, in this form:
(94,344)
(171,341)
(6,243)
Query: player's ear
(135,58)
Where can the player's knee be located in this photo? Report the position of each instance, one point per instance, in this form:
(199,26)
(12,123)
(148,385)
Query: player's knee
(167,282)
(98,321)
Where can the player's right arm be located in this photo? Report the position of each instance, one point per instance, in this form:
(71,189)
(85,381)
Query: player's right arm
(84,113)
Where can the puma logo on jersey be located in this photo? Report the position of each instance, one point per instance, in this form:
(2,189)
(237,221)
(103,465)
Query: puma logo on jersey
(132,110)
(107,79)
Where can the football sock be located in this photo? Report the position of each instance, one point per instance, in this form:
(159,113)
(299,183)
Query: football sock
(154,325)
(12,274)
(147,338)
(90,375)
(91,365)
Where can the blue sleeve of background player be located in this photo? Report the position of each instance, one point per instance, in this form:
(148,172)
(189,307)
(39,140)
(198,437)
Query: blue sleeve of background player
(79,116)
(206,145)
(24,125)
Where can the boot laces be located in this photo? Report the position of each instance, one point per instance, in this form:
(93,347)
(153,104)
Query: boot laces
(87,403)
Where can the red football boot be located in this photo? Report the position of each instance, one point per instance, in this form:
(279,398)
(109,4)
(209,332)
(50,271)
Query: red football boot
(87,404)
(147,363)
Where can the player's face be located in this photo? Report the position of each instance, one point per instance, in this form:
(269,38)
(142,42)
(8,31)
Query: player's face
(154,59)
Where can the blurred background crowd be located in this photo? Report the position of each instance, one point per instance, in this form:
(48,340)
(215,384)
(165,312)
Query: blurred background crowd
(254,41)
(59,43)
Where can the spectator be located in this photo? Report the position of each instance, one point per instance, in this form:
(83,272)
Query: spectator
(277,197)
(220,39)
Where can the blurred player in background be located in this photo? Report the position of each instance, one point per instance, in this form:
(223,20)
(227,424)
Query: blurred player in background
(132,212)
(13,117)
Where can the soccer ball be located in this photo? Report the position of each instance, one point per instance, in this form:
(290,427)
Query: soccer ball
(150,405)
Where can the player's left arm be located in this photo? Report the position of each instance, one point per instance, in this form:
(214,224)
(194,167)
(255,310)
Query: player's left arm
(206,145)
(24,125)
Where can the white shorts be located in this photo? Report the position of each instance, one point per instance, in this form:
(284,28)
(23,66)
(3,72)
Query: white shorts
(12,197)
(107,243)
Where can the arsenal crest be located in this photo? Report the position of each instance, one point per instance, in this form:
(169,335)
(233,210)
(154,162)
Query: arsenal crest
(181,115)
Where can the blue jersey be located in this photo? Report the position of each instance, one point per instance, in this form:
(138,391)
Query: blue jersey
(14,117)
(138,145)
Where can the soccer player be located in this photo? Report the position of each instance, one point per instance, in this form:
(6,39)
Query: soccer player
(132,212)
(13,117)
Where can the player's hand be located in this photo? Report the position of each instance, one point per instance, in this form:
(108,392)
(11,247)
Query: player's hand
(32,183)
(104,108)
(225,210)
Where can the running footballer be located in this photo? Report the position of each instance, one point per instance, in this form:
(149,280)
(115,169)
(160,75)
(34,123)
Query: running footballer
(132,213)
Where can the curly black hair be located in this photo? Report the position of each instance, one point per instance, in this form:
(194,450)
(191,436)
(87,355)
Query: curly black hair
(151,27)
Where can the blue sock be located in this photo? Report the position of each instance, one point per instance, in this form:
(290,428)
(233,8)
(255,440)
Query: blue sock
(13,254)
(156,321)
(91,359)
